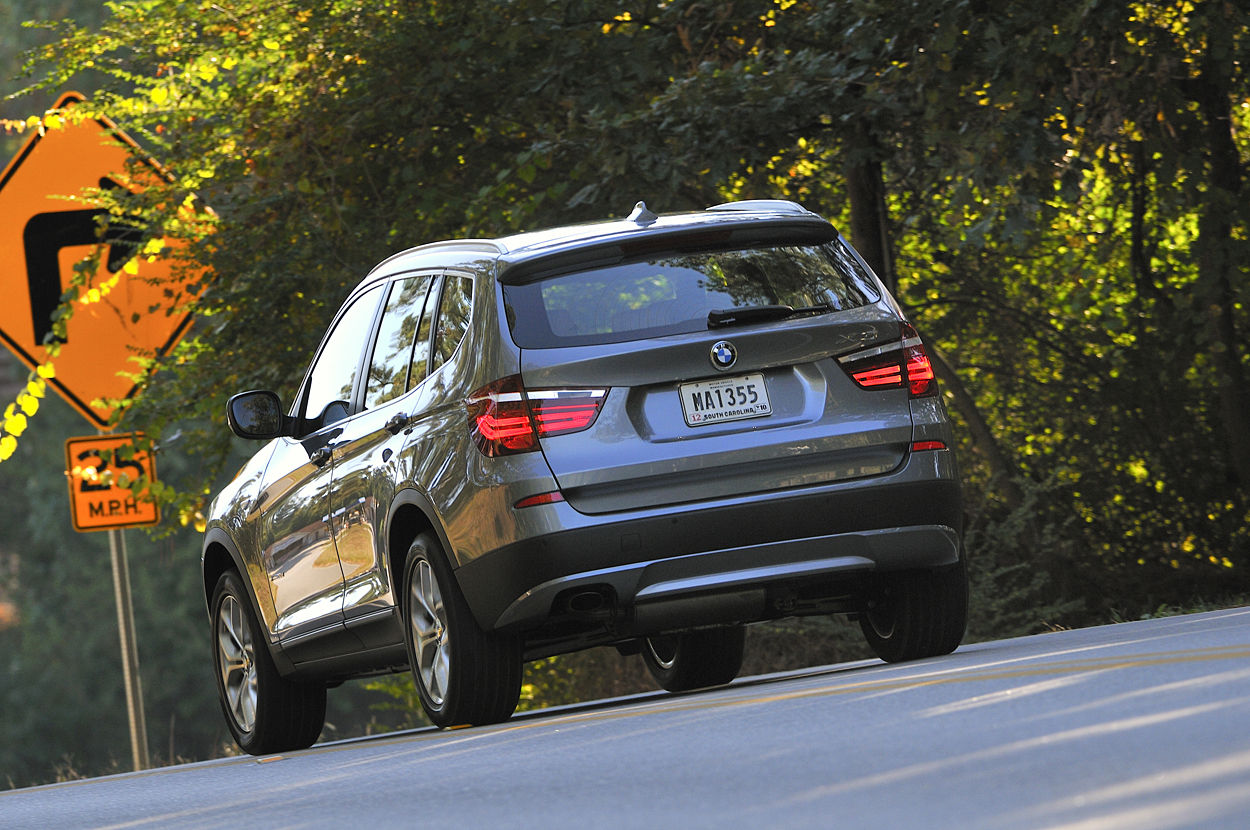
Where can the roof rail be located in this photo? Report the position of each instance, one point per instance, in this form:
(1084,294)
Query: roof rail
(763,206)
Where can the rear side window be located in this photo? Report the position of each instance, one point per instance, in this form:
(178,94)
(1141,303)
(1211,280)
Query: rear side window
(421,349)
(453,317)
(388,370)
(674,294)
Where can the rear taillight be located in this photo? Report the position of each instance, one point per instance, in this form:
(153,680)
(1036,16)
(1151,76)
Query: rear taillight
(506,418)
(500,420)
(559,411)
(893,365)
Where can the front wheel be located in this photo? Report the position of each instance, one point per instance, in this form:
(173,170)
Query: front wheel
(265,711)
(464,676)
(695,659)
(918,614)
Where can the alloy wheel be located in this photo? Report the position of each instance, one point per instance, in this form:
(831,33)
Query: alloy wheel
(428,617)
(236,660)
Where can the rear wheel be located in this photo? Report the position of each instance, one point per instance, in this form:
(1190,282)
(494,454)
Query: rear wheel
(463,675)
(918,614)
(265,712)
(695,659)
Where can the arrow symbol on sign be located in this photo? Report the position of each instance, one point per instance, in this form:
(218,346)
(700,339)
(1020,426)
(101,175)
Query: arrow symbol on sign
(44,237)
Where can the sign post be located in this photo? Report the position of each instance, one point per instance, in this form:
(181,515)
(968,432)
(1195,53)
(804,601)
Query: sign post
(130,650)
(97,503)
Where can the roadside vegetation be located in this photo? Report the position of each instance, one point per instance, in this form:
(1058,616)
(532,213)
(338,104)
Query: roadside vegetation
(1056,192)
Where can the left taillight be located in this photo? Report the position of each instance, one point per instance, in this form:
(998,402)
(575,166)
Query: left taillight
(506,418)
(899,364)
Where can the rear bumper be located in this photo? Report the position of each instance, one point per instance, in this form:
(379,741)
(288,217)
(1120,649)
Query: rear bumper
(659,590)
(908,519)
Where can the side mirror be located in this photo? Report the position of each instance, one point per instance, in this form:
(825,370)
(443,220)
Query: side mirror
(256,414)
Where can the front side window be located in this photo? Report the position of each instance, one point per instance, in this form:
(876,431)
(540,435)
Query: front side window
(388,369)
(331,380)
(453,317)
(674,294)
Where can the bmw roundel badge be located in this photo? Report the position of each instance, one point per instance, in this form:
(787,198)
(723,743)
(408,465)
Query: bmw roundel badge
(724,355)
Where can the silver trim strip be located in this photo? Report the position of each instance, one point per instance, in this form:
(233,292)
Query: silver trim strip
(876,350)
(733,579)
(873,352)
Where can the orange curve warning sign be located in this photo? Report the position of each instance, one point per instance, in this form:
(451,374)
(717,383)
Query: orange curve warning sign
(42,236)
(95,500)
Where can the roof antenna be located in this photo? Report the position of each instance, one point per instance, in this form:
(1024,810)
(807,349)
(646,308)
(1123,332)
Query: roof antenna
(641,215)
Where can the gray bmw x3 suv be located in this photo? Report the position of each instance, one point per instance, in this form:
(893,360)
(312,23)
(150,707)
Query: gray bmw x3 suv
(645,432)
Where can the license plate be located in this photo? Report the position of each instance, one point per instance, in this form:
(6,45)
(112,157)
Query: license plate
(724,399)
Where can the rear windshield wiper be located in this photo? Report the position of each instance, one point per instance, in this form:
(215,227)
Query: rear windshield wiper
(742,315)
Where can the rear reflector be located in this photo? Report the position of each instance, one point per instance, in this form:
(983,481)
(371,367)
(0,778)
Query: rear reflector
(541,498)
(920,446)
(506,418)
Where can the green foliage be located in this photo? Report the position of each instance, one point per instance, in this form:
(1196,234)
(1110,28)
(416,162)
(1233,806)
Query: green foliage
(1017,566)
(1198,606)
(1060,198)
(401,702)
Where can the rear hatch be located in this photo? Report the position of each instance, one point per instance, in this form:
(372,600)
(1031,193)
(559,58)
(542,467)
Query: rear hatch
(719,373)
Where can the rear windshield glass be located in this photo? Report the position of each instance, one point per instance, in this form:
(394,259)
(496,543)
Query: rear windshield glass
(673,294)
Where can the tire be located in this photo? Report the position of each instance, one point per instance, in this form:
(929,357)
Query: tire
(464,676)
(265,711)
(695,659)
(918,614)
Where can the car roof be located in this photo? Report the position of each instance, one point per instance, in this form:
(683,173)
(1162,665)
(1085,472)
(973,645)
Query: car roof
(551,242)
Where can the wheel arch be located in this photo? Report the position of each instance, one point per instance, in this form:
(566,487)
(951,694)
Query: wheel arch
(412,513)
(220,554)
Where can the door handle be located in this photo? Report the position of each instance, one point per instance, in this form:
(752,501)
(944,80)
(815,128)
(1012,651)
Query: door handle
(396,423)
(320,456)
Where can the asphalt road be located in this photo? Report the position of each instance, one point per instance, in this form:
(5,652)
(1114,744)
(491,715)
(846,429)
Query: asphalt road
(1137,726)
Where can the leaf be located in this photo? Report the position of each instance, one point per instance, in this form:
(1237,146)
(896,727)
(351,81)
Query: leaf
(159,95)
(46,371)
(15,424)
(8,444)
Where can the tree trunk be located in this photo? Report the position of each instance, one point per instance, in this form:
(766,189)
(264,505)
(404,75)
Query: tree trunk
(869,228)
(1001,472)
(1218,266)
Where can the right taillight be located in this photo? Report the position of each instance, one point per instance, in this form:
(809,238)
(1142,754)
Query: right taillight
(893,366)
(505,418)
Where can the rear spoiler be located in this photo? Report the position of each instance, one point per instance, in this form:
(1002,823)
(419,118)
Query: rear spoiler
(647,243)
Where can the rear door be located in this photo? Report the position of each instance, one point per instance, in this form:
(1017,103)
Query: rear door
(366,458)
(699,411)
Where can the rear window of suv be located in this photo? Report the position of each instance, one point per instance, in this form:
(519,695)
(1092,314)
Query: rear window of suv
(673,294)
